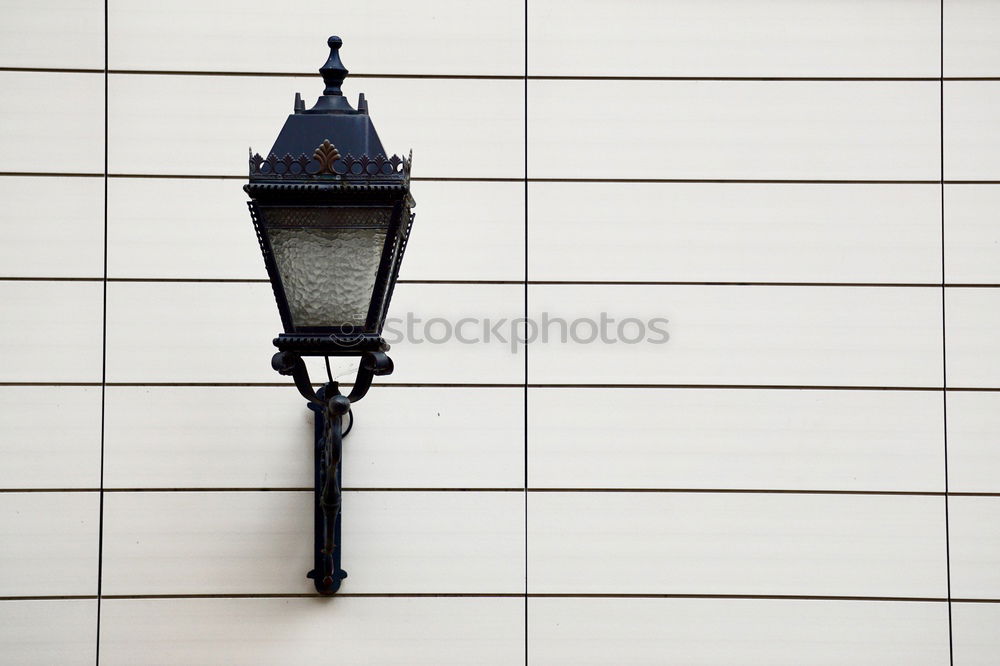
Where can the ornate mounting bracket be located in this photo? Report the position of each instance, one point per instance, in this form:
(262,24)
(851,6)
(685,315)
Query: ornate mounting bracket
(330,407)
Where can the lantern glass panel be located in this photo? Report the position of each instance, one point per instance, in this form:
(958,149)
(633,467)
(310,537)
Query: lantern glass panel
(328,259)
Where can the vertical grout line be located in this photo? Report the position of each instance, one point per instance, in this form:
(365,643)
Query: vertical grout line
(104,352)
(944,351)
(526,336)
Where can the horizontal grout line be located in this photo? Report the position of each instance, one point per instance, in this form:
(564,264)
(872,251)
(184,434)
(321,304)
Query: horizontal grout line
(63,597)
(54,70)
(744,491)
(310,489)
(255,489)
(50,490)
(50,384)
(493,77)
(762,597)
(585,77)
(464,179)
(246,74)
(446,179)
(195,280)
(251,384)
(506,595)
(51,174)
(36,278)
(316,384)
(768,387)
(663,491)
(431,490)
(739,181)
(582,283)
(187,176)
(313,595)
(742,283)
(499,595)
(313,73)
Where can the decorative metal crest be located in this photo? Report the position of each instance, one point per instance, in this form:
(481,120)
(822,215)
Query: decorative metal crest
(326,155)
(327,163)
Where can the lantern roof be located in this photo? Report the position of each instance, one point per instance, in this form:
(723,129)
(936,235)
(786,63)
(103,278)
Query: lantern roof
(332,143)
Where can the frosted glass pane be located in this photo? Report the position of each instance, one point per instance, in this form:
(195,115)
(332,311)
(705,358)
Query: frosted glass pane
(328,259)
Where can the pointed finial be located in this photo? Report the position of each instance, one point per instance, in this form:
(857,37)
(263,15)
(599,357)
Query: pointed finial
(333,70)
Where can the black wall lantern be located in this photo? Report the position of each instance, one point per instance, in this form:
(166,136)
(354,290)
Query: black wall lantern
(332,215)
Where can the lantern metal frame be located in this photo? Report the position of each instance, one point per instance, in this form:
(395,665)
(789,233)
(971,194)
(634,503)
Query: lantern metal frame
(306,169)
(341,340)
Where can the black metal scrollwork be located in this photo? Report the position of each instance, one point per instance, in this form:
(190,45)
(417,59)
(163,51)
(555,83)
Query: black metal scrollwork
(326,162)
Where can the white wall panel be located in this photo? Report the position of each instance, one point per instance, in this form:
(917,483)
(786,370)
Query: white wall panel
(974,441)
(820,336)
(798,130)
(49,136)
(212,332)
(262,542)
(734,232)
(181,228)
(297,632)
(52,33)
(972,233)
(203,124)
(49,544)
(706,438)
(703,632)
(50,631)
(394,37)
(976,639)
(51,331)
(50,437)
(190,332)
(973,317)
(711,543)
(244,437)
(437,438)
(971,38)
(207,437)
(974,538)
(200,228)
(52,236)
(734,38)
(472,354)
(971,132)
(466,231)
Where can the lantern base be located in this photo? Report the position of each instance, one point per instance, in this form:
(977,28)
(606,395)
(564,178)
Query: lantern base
(331,345)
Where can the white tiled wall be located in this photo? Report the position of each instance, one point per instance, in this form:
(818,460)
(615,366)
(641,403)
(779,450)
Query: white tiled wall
(740,130)
(707,632)
(806,472)
(777,38)
(731,232)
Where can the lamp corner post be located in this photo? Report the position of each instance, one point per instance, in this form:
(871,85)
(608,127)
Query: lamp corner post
(332,216)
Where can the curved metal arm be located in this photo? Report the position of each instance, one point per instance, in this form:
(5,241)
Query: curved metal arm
(372,364)
(291,364)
